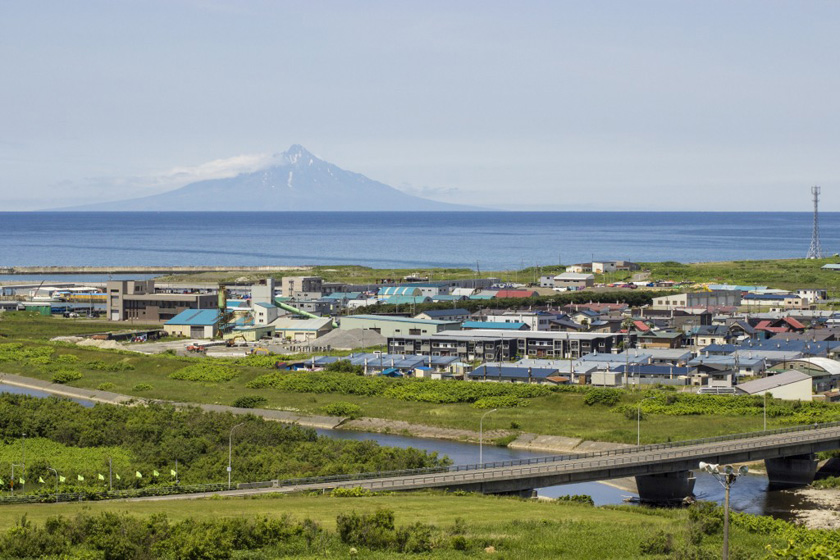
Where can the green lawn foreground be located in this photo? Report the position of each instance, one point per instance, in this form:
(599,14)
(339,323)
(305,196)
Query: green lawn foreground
(517,528)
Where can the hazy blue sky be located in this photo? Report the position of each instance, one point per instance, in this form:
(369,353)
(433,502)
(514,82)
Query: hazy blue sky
(666,105)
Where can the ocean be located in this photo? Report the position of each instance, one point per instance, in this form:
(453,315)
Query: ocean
(489,240)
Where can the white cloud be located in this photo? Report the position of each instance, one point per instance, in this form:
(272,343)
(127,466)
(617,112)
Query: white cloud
(104,189)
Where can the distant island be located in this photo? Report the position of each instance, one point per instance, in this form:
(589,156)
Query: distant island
(298,181)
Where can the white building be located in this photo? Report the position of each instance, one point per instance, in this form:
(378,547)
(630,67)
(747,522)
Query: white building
(574,280)
(536,321)
(716,298)
(790,385)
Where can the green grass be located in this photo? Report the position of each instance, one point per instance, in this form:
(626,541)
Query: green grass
(31,326)
(557,414)
(517,528)
(784,274)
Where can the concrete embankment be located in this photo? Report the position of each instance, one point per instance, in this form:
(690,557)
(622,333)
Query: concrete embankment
(28,270)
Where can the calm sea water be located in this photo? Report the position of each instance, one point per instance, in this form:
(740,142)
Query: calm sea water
(491,240)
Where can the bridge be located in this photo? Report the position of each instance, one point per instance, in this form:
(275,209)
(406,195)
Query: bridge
(662,471)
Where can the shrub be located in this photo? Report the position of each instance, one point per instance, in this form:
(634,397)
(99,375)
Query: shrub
(601,395)
(205,371)
(66,359)
(143,387)
(249,401)
(99,365)
(107,386)
(661,543)
(345,366)
(373,530)
(577,499)
(355,492)
(343,409)
(705,518)
(66,375)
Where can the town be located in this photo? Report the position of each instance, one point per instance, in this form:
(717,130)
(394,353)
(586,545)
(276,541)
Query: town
(702,337)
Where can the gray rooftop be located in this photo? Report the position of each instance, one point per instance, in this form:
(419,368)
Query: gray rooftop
(773,382)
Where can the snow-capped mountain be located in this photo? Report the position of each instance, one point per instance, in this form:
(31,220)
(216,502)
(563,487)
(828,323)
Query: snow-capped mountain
(296,181)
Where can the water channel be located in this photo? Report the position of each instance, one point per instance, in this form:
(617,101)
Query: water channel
(749,494)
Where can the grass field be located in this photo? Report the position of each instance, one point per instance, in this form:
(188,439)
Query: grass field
(556,414)
(516,528)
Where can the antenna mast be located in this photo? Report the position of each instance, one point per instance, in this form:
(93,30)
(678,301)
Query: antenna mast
(815,251)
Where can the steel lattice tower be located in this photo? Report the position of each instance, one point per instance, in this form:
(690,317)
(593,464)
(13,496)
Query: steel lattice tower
(815,251)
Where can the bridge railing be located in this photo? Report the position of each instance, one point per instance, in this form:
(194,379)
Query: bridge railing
(601,458)
(548,459)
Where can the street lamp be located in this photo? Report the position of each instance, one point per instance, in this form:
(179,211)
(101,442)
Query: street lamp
(481,436)
(230,450)
(639,421)
(726,476)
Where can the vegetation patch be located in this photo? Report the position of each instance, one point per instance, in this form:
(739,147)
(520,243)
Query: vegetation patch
(149,439)
(250,401)
(205,371)
(66,375)
(343,409)
(503,401)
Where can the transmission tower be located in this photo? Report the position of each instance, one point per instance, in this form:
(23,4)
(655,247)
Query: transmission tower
(815,251)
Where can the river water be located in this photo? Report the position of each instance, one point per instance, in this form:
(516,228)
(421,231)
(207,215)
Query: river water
(749,494)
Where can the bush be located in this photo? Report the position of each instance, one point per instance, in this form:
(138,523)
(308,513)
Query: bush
(66,375)
(660,544)
(355,492)
(343,409)
(601,395)
(107,386)
(205,371)
(577,499)
(345,366)
(143,387)
(99,365)
(66,359)
(373,530)
(249,401)
(705,518)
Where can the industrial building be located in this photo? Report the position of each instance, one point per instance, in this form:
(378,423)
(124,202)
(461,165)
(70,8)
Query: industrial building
(138,300)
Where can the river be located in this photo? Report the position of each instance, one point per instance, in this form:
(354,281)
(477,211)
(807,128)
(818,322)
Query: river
(749,494)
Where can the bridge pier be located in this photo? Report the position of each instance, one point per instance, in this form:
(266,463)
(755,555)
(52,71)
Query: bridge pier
(667,488)
(796,470)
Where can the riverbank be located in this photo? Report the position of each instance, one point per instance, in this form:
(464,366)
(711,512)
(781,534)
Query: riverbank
(825,510)
(517,440)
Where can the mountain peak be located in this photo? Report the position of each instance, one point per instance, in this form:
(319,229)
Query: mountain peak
(296,153)
(296,180)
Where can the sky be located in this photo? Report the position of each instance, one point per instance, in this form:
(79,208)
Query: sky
(557,105)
